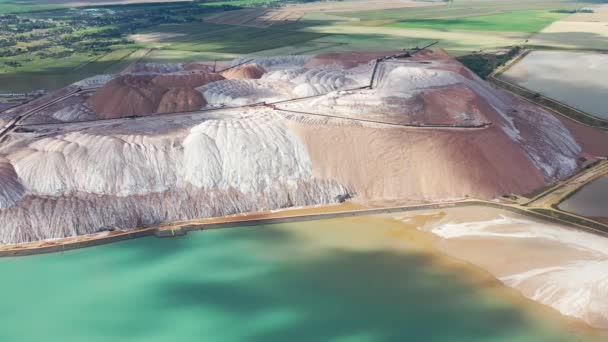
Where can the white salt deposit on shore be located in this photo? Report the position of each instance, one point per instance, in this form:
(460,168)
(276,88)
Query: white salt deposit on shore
(555,265)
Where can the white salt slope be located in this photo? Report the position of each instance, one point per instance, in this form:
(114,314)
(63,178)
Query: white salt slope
(74,112)
(235,93)
(154,68)
(81,182)
(326,79)
(214,153)
(283,84)
(554,152)
(99,164)
(274,62)
(278,154)
(577,288)
(94,81)
(11,190)
(398,79)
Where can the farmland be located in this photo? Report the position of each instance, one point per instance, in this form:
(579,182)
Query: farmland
(245,3)
(12,6)
(63,71)
(85,41)
(216,38)
(581,30)
(465,8)
(472,25)
(516,21)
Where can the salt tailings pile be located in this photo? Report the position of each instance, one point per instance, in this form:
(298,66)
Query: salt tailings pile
(246,71)
(142,173)
(427,130)
(129,94)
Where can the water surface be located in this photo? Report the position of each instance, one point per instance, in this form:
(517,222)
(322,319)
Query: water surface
(578,79)
(591,200)
(356,279)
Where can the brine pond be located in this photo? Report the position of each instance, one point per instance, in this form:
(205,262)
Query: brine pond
(591,200)
(352,279)
(577,79)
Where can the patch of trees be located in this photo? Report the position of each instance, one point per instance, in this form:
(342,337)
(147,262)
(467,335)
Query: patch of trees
(55,55)
(483,64)
(8,42)
(13,64)
(572,11)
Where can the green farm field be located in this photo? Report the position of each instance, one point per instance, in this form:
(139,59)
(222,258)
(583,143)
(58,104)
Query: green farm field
(461,27)
(40,74)
(207,41)
(13,6)
(244,3)
(465,8)
(516,21)
(217,38)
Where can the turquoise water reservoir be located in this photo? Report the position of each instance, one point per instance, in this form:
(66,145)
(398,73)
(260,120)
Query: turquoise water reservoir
(337,280)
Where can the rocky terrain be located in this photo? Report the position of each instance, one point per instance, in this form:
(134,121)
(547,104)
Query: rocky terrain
(270,133)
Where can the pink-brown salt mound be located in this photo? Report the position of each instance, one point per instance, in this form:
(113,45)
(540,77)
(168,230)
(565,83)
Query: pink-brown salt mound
(193,80)
(137,95)
(126,95)
(203,66)
(380,164)
(246,71)
(436,54)
(348,59)
(181,100)
(447,105)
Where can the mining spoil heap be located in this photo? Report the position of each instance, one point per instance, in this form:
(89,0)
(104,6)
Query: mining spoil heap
(246,71)
(144,94)
(271,133)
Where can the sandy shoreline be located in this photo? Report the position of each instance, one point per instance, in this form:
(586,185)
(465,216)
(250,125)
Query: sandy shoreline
(555,265)
(402,233)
